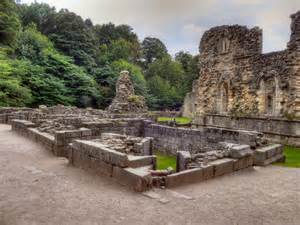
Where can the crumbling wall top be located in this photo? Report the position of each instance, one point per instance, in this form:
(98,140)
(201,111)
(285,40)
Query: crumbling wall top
(235,40)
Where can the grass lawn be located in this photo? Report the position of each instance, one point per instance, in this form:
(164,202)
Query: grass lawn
(165,161)
(292,157)
(179,120)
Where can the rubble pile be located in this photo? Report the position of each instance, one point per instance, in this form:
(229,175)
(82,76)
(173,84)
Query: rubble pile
(125,144)
(202,159)
(51,126)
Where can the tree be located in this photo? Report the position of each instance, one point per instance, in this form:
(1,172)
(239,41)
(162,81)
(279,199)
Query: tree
(163,95)
(190,66)
(153,48)
(40,14)
(9,22)
(116,50)
(55,78)
(12,93)
(31,44)
(107,33)
(74,38)
(168,69)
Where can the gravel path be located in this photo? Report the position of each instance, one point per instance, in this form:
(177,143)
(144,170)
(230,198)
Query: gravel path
(38,188)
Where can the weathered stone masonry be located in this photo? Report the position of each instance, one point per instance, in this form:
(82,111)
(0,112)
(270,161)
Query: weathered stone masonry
(236,78)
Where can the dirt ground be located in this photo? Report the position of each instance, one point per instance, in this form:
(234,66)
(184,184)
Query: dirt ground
(38,188)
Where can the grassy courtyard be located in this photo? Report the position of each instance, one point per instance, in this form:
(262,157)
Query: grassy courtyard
(292,157)
(179,120)
(165,161)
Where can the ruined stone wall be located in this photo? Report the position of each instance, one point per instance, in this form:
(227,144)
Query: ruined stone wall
(237,79)
(171,140)
(275,130)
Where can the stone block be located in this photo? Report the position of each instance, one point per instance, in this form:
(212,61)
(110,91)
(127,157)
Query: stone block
(274,159)
(267,154)
(137,179)
(208,172)
(240,151)
(85,132)
(183,157)
(260,156)
(60,138)
(185,177)
(100,167)
(112,136)
(72,133)
(146,146)
(140,161)
(279,150)
(272,150)
(101,152)
(222,166)
(243,163)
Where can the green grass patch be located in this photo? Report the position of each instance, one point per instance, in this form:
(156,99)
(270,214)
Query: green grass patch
(292,155)
(165,161)
(179,120)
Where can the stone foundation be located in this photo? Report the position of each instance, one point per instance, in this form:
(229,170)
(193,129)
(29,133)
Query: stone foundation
(122,148)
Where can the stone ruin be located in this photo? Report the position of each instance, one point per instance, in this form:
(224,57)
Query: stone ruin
(124,148)
(125,100)
(237,79)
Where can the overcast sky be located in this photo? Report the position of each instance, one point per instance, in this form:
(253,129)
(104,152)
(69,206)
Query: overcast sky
(181,23)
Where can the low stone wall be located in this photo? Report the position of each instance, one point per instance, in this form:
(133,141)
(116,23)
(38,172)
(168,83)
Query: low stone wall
(132,127)
(217,168)
(171,139)
(132,171)
(27,129)
(268,154)
(276,130)
(58,144)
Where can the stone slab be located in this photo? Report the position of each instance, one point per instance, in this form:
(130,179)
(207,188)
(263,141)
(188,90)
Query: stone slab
(222,166)
(140,161)
(137,179)
(240,151)
(101,152)
(243,163)
(184,177)
(208,172)
(183,157)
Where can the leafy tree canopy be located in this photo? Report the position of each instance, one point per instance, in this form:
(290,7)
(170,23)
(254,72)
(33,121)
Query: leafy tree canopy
(9,22)
(152,49)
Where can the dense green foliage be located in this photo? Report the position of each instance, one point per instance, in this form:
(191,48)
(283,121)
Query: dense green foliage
(9,22)
(55,57)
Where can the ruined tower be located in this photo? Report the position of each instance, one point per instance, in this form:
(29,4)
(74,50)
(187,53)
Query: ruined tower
(237,79)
